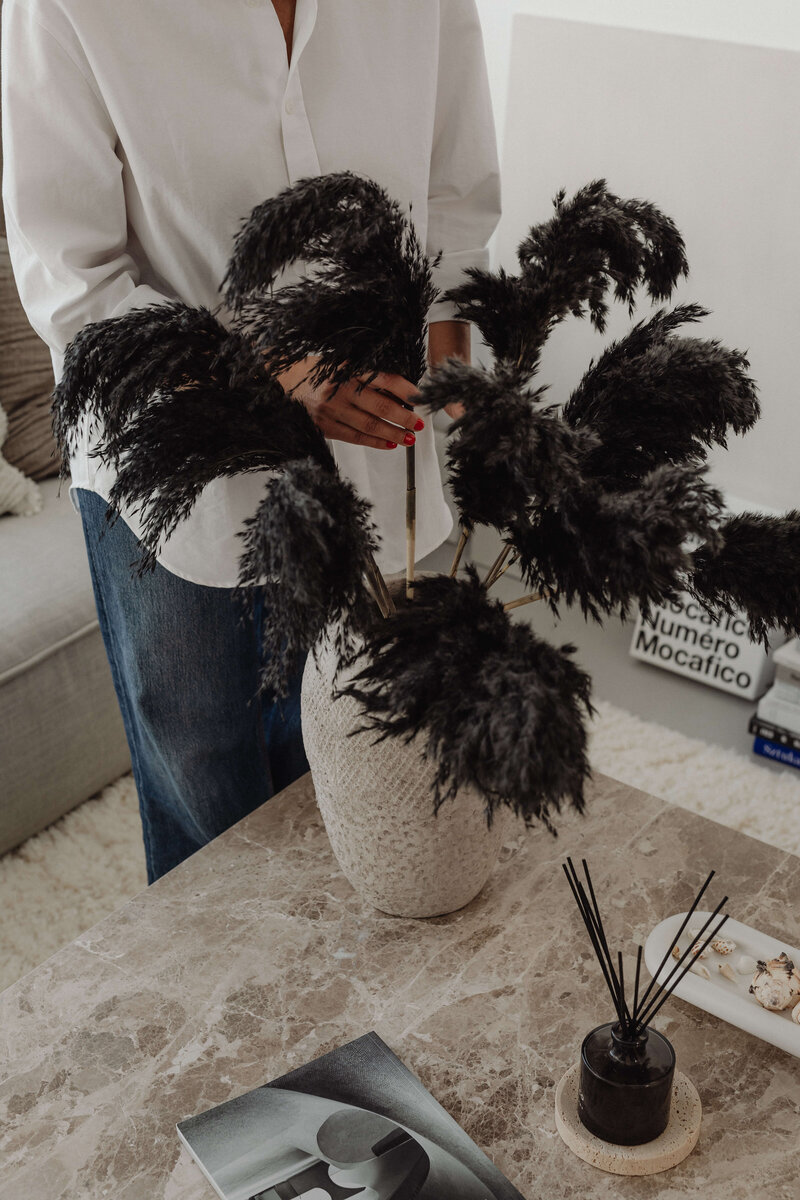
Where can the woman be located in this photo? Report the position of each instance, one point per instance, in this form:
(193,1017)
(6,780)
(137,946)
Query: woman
(136,139)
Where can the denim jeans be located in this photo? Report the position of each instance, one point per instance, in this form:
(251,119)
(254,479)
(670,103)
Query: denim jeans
(206,748)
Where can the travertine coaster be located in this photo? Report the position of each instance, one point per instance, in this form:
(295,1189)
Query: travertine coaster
(667,1150)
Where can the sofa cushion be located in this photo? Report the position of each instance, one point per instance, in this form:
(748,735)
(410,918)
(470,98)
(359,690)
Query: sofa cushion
(46,598)
(18,494)
(61,733)
(26,384)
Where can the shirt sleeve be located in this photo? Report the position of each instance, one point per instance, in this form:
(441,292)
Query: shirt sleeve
(62,188)
(464,188)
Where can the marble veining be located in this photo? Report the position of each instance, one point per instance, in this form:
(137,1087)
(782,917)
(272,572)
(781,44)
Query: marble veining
(256,955)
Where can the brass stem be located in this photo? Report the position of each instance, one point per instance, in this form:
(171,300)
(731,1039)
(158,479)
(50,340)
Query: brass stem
(529,599)
(374,591)
(460,548)
(379,588)
(411,520)
(491,574)
(500,574)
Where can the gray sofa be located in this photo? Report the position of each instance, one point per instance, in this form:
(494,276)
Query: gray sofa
(61,734)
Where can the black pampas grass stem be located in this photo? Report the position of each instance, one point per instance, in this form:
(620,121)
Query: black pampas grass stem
(464,535)
(364,312)
(568,264)
(755,566)
(454,668)
(308,549)
(411,518)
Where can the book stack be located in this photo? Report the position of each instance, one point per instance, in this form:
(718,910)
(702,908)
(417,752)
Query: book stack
(776,723)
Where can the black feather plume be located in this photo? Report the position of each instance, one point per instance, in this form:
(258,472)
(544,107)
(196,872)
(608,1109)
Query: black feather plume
(568,264)
(353,327)
(610,550)
(756,568)
(113,367)
(367,303)
(170,450)
(499,709)
(507,451)
(654,398)
(308,547)
(338,217)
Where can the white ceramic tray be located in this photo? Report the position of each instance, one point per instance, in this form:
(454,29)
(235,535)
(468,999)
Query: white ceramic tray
(730,1001)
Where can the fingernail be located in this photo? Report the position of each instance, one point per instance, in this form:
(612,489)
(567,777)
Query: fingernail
(409,439)
(419,425)
(391,445)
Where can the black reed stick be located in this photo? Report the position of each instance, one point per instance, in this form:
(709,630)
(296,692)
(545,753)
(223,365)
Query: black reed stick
(623,1005)
(667,993)
(636,983)
(594,912)
(688,958)
(645,1008)
(675,940)
(613,987)
(682,958)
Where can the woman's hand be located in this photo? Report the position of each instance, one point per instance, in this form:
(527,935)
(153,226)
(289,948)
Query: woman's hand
(366,414)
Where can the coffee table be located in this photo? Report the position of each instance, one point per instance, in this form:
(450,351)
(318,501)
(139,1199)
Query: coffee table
(256,955)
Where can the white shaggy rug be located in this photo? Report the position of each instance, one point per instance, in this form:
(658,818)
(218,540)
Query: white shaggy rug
(67,878)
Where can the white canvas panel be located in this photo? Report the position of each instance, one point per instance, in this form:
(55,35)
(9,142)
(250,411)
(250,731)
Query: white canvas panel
(709,131)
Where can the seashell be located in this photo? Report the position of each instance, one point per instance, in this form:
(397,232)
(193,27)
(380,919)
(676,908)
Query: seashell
(698,968)
(723,945)
(776,984)
(698,951)
(676,951)
(727,970)
(796,1013)
(693,933)
(746,964)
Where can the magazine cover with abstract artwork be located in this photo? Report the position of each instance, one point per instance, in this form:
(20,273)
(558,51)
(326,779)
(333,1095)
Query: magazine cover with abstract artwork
(353,1123)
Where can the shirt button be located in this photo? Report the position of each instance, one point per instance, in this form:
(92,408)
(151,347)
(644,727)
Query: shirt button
(289,106)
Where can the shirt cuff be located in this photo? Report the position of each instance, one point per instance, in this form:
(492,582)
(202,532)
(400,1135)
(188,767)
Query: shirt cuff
(450,274)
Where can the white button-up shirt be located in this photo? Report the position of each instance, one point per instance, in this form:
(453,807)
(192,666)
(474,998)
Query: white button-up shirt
(138,134)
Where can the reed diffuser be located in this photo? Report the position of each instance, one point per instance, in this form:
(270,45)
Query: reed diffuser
(627,1067)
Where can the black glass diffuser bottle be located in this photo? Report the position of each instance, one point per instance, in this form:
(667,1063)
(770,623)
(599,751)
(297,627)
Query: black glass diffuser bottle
(625,1084)
(627,1068)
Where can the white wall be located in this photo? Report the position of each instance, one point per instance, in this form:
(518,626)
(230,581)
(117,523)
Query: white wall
(689,108)
(752,22)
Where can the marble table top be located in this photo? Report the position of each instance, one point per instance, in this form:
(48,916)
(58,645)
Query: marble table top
(256,955)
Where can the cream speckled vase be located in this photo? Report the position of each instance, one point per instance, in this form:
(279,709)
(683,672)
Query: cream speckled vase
(377,804)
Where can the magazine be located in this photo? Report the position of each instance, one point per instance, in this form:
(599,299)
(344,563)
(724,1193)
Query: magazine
(353,1123)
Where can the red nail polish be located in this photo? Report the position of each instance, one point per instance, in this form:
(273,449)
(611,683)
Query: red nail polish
(419,425)
(409,439)
(391,445)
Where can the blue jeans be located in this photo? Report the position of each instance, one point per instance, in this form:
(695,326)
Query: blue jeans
(206,749)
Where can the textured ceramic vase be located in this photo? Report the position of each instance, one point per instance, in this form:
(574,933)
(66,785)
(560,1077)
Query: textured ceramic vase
(376,800)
